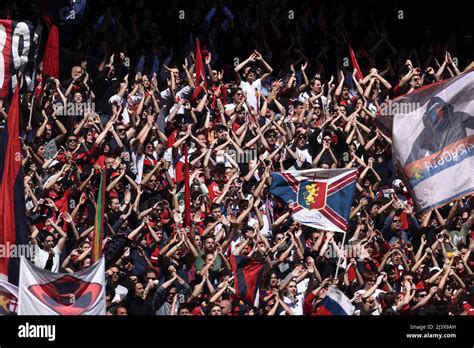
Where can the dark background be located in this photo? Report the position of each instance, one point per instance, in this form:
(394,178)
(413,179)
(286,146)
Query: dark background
(425,23)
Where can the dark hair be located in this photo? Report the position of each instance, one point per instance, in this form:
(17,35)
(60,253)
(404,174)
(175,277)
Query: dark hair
(219,168)
(207,236)
(243,204)
(184,306)
(208,220)
(368,277)
(115,311)
(237,89)
(269,277)
(215,206)
(313,81)
(110,291)
(47,234)
(150,270)
(390,299)
(296,103)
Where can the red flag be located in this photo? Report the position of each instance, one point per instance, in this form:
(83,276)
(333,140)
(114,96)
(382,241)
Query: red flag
(359,75)
(187,191)
(13,228)
(199,71)
(199,65)
(51,51)
(247,276)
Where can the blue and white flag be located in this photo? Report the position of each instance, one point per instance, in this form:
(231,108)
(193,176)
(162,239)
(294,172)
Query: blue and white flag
(432,131)
(319,198)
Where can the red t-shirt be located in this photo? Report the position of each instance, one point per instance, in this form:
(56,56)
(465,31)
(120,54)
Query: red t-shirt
(214,191)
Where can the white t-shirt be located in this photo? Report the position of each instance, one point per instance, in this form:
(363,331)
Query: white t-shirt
(41,257)
(168,157)
(303,155)
(138,161)
(229,108)
(296,304)
(251,90)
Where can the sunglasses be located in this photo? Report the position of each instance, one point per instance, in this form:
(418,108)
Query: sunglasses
(72,140)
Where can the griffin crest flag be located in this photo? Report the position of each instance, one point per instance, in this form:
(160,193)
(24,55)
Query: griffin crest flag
(319,198)
(312,194)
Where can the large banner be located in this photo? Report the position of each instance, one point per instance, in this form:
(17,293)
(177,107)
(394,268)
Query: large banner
(13,228)
(18,43)
(433,140)
(46,293)
(8,298)
(319,198)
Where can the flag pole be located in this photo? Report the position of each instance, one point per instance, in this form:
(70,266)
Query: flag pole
(98,231)
(342,252)
(31,109)
(187,192)
(37,35)
(319,173)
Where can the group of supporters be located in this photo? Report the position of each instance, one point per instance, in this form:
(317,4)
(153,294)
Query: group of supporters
(239,119)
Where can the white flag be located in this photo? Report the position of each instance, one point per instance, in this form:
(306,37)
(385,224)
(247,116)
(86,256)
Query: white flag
(8,298)
(432,131)
(335,303)
(45,293)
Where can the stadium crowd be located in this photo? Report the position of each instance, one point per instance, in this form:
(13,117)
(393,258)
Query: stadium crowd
(272,97)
